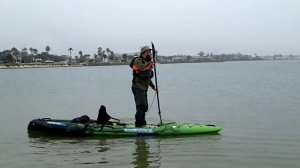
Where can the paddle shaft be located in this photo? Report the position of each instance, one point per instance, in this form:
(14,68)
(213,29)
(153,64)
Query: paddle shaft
(155,76)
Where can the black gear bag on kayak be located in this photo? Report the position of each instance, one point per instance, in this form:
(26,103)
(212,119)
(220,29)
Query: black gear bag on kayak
(83,119)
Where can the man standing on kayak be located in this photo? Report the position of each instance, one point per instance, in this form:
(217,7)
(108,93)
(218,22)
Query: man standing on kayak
(142,74)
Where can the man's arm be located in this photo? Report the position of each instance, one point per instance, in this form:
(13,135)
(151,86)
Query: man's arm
(143,66)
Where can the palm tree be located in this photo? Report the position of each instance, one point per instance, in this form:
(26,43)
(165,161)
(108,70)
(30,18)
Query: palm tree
(96,58)
(87,57)
(80,53)
(112,55)
(81,58)
(70,49)
(201,53)
(30,56)
(35,51)
(76,59)
(99,51)
(125,56)
(104,56)
(15,54)
(47,49)
(31,50)
(24,54)
(24,50)
(108,52)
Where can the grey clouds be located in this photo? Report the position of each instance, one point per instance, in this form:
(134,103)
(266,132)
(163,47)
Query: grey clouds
(175,26)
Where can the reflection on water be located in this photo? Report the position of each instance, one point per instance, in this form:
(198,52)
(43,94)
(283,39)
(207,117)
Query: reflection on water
(68,149)
(137,151)
(103,146)
(146,155)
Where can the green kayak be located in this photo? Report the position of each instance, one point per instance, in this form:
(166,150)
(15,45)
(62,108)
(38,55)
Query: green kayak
(57,126)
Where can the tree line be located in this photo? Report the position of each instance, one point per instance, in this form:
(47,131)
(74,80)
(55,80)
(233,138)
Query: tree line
(101,55)
(229,57)
(32,55)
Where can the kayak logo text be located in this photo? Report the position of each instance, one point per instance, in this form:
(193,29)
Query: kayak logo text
(139,130)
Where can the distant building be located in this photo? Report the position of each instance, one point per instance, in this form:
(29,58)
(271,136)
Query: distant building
(178,59)
(49,62)
(119,56)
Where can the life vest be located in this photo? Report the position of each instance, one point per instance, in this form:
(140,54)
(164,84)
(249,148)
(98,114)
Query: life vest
(146,74)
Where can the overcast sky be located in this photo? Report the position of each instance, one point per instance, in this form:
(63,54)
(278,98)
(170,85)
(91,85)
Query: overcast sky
(175,26)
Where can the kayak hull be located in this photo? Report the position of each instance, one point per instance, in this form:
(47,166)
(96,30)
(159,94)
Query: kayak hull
(57,126)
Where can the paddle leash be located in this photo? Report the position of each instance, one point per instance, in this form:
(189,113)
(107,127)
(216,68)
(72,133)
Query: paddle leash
(154,59)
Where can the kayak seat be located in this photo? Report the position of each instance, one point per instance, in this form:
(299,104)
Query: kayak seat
(103,118)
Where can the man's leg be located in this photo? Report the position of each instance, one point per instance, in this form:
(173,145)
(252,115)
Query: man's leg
(140,97)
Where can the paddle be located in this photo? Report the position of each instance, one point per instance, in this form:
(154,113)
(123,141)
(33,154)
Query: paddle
(154,54)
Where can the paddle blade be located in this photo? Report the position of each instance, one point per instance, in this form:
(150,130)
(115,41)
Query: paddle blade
(153,50)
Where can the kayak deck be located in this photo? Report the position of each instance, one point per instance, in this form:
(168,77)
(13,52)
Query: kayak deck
(58,126)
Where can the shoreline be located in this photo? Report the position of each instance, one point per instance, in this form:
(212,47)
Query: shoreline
(30,66)
(25,66)
(41,65)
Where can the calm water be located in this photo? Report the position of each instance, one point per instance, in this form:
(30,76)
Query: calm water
(256,103)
